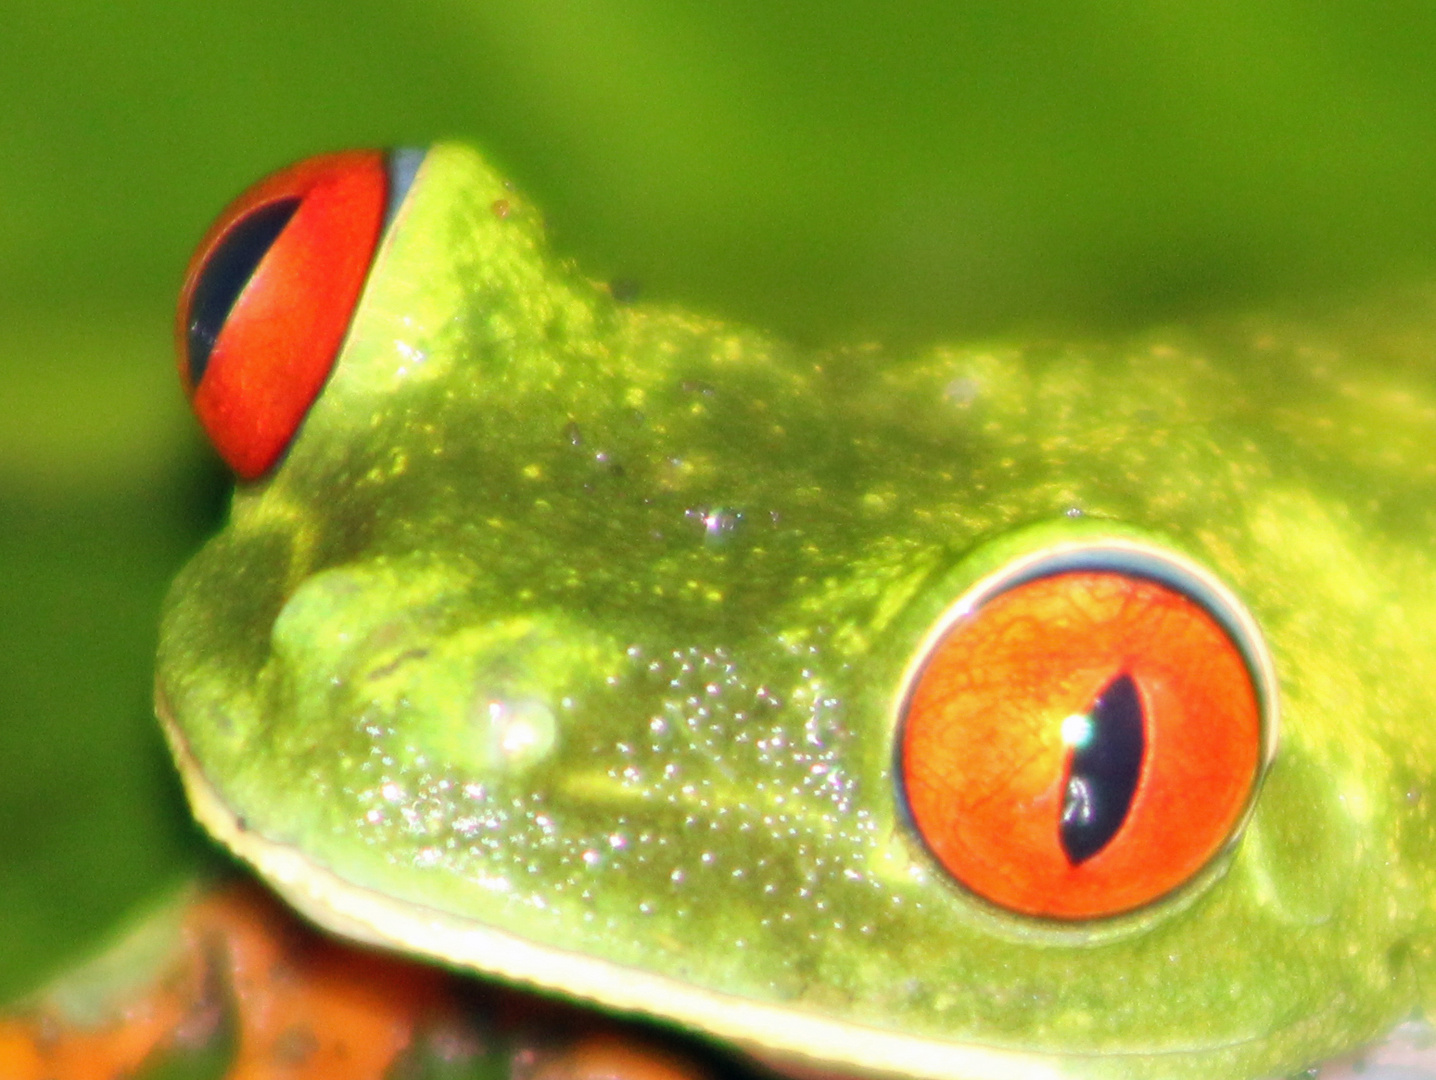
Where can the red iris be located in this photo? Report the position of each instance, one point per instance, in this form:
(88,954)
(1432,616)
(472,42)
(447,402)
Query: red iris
(1079,697)
(268,297)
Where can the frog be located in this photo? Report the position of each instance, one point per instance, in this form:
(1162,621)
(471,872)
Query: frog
(998,710)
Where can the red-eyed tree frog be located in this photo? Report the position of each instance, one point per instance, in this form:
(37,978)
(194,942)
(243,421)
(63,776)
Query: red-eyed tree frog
(991,713)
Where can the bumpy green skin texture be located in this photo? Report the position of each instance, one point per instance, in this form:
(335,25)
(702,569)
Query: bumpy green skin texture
(697,564)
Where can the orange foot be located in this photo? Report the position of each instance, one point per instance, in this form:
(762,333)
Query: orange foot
(235,987)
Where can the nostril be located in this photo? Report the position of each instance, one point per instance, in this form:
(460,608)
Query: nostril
(391,667)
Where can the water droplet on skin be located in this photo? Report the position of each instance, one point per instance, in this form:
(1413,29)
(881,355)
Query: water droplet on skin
(718,523)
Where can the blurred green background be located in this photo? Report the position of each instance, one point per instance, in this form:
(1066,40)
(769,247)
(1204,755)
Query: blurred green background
(834,170)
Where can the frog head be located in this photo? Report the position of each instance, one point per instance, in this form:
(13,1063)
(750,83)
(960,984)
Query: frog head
(996,711)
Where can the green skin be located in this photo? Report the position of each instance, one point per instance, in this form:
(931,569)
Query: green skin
(589,622)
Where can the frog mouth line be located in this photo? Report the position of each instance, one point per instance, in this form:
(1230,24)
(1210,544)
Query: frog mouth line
(775,1034)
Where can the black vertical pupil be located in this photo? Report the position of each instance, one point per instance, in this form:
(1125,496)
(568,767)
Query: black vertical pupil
(1103,772)
(224,276)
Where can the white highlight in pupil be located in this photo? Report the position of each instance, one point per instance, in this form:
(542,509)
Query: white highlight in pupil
(1077,730)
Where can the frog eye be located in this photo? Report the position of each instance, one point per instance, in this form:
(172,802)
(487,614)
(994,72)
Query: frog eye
(269,293)
(1085,733)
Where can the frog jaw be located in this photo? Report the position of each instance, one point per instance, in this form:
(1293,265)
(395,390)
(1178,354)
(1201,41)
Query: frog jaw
(372,917)
(785,1037)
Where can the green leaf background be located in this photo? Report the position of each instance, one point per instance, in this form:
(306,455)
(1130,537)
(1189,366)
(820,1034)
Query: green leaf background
(833,171)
